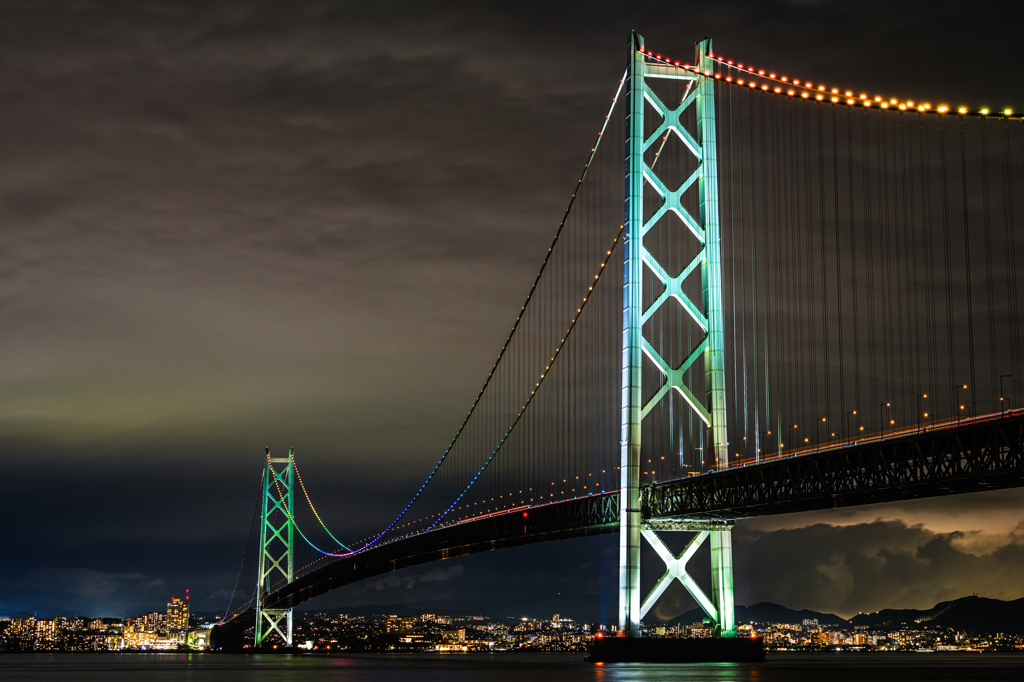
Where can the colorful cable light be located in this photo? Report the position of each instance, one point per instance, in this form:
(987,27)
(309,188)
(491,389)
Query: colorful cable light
(833,94)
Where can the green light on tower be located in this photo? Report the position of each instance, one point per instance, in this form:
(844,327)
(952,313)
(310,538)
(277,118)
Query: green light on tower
(277,548)
(710,345)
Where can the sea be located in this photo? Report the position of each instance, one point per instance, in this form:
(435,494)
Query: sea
(788,667)
(508,667)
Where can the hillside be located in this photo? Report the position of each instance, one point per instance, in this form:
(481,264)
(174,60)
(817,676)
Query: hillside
(977,614)
(765,612)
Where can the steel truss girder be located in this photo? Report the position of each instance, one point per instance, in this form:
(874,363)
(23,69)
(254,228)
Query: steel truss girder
(585,516)
(691,525)
(969,458)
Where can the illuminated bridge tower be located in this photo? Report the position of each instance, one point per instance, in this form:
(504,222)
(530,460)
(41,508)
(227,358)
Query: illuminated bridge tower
(277,549)
(710,343)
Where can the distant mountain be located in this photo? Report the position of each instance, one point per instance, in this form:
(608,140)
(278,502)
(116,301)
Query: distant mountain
(977,614)
(448,608)
(765,612)
(16,615)
(373,610)
(539,607)
(891,617)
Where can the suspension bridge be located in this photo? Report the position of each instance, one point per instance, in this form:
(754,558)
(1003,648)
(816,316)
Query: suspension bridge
(767,295)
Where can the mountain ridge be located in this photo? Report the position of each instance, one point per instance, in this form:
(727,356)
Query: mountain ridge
(971,613)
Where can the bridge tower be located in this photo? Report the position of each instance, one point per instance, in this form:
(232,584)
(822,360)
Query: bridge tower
(710,344)
(277,550)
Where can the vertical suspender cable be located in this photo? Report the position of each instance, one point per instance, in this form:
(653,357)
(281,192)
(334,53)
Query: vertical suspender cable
(1011,260)
(869,256)
(926,183)
(754,289)
(853,259)
(800,241)
(967,258)
(778,276)
(839,285)
(990,292)
(248,540)
(767,292)
(824,275)
(947,252)
(888,258)
(793,292)
(812,328)
(911,265)
(902,284)
(743,298)
(913,252)
(732,279)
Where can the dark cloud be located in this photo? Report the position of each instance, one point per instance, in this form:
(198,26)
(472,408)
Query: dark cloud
(231,224)
(87,591)
(867,567)
(856,568)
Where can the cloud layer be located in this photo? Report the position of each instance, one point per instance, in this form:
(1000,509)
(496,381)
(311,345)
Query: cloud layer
(871,566)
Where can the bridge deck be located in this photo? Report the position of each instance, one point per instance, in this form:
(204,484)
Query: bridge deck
(984,454)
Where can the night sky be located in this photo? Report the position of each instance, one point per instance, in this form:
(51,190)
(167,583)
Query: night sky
(225,225)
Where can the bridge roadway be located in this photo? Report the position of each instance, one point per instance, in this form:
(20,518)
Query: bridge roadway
(986,453)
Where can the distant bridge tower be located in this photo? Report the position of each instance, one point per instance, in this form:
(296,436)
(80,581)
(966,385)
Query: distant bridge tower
(277,549)
(710,344)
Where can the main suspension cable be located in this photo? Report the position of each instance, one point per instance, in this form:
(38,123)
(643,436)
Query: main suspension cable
(295,468)
(515,326)
(540,381)
(248,540)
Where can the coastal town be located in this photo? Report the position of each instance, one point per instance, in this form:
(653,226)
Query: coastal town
(177,630)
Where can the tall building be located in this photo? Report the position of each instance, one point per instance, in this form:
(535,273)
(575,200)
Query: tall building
(177,619)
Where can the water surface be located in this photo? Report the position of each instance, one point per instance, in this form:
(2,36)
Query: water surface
(783,666)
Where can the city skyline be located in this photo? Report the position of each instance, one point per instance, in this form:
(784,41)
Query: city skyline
(947,627)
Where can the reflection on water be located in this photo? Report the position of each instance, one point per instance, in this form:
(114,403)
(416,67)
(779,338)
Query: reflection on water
(780,667)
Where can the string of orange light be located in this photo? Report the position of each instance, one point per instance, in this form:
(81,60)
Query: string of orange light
(792,87)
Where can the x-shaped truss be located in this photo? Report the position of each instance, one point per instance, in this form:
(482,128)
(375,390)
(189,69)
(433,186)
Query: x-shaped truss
(675,569)
(673,286)
(273,619)
(271,562)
